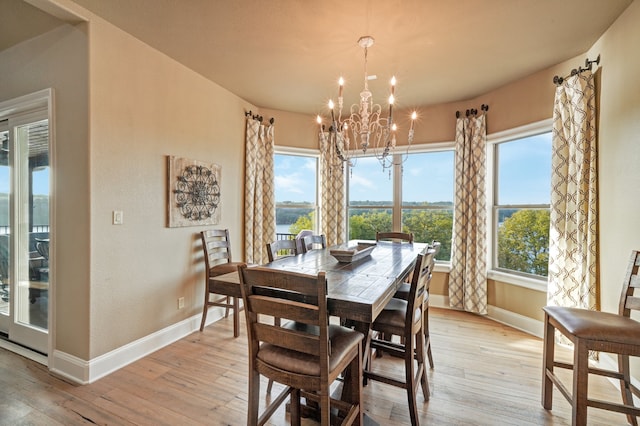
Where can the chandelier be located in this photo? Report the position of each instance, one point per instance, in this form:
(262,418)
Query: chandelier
(364,129)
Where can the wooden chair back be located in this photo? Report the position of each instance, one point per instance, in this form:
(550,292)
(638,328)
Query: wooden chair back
(311,242)
(288,295)
(405,237)
(419,292)
(281,248)
(629,301)
(217,247)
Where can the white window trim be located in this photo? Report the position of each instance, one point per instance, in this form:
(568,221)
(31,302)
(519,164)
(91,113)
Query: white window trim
(531,129)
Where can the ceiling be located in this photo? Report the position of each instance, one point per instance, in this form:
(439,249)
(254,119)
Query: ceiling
(288,54)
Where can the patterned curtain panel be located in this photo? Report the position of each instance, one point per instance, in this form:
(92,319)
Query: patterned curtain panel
(468,277)
(259,191)
(573,239)
(333,209)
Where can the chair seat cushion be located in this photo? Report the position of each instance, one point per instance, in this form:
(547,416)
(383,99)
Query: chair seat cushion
(342,339)
(224,268)
(403,291)
(596,325)
(393,316)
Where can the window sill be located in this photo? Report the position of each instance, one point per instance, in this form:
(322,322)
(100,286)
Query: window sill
(530,283)
(442,266)
(503,277)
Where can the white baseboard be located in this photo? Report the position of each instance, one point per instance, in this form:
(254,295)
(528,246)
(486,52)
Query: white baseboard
(520,322)
(84,372)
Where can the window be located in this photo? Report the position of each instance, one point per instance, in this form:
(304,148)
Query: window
(427,198)
(370,199)
(522,168)
(421,201)
(295,190)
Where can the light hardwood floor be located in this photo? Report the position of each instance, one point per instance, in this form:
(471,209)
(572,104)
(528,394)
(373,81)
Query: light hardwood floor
(485,374)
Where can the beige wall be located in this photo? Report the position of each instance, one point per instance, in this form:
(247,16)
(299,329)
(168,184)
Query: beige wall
(144,107)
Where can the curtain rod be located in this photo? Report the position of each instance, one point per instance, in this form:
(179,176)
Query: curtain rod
(587,67)
(473,111)
(258,117)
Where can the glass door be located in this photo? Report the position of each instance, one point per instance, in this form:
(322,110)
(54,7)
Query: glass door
(24,229)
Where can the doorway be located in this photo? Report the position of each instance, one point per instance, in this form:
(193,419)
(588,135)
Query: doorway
(25,233)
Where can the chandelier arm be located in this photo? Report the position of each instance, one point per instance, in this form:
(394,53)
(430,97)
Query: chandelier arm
(364,128)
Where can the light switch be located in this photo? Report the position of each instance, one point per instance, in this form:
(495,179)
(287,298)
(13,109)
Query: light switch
(118,217)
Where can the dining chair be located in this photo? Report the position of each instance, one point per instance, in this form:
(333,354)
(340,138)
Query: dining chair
(403,237)
(281,248)
(216,245)
(595,331)
(306,354)
(311,242)
(405,318)
(403,291)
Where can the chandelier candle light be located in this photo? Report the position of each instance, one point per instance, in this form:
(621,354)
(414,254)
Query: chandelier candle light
(364,125)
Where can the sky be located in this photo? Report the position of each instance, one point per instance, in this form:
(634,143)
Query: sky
(525,168)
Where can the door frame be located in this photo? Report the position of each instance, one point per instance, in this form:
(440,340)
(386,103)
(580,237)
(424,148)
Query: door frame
(42,101)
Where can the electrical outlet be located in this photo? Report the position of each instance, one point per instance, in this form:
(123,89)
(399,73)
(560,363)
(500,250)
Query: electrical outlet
(180,302)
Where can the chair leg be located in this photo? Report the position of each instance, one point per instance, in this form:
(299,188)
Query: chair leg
(420,345)
(410,380)
(205,309)
(366,362)
(228,303)
(547,367)
(294,406)
(625,386)
(352,387)
(580,384)
(427,338)
(253,399)
(236,316)
(429,355)
(325,409)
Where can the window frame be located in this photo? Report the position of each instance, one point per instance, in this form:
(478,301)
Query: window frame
(303,152)
(494,272)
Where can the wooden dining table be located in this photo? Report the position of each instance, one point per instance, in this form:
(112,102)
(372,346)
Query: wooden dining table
(357,291)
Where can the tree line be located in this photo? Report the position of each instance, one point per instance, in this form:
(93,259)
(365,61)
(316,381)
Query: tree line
(523,235)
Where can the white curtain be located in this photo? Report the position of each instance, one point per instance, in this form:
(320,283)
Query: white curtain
(333,210)
(259,195)
(573,234)
(468,277)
